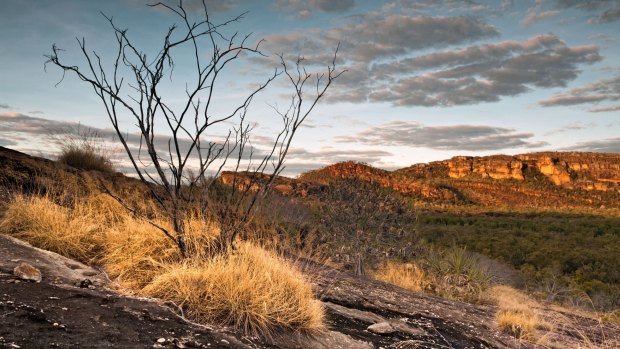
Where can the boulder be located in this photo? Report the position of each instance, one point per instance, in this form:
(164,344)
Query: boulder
(26,271)
(381,328)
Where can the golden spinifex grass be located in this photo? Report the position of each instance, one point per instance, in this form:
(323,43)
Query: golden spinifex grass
(73,233)
(518,314)
(406,275)
(249,288)
(452,274)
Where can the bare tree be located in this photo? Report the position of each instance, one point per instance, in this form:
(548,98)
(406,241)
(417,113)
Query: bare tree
(133,86)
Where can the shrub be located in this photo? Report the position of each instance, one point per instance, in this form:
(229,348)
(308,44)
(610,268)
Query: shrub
(453,274)
(457,274)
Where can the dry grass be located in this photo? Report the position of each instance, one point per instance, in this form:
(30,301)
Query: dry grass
(249,288)
(518,314)
(40,221)
(452,274)
(406,275)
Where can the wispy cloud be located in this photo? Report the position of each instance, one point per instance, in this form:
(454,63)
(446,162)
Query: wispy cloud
(610,145)
(4,106)
(602,37)
(575,126)
(304,8)
(329,155)
(605,10)
(16,126)
(535,15)
(457,137)
(605,109)
(595,92)
(482,73)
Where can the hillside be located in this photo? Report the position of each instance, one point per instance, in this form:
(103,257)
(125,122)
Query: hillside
(588,180)
(318,212)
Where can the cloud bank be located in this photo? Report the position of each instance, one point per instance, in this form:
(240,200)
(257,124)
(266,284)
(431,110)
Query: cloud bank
(457,137)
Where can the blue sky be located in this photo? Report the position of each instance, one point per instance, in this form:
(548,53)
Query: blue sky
(426,80)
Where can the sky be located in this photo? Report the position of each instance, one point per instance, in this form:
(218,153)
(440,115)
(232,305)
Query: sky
(425,80)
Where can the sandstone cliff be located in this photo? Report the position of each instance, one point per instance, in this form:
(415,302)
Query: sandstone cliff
(537,179)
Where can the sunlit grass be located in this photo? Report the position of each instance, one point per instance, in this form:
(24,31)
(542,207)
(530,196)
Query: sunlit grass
(249,288)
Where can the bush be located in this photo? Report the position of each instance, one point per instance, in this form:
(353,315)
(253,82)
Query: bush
(453,274)
(457,274)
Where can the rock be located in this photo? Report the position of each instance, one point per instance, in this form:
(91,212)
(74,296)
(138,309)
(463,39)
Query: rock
(381,328)
(408,344)
(26,271)
(161,340)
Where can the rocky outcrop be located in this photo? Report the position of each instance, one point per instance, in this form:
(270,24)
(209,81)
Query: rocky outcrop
(590,171)
(348,169)
(496,167)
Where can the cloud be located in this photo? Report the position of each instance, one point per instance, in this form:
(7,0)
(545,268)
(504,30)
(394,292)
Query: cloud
(610,145)
(609,15)
(304,8)
(602,37)
(605,109)
(329,155)
(575,126)
(374,36)
(535,15)
(51,134)
(4,142)
(194,5)
(386,36)
(377,49)
(598,91)
(4,106)
(481,73)
(453,6)
(608,10)
(457,137)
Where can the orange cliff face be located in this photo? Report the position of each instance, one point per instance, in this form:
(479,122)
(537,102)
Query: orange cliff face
(546,179)
(496,167)
(589,171)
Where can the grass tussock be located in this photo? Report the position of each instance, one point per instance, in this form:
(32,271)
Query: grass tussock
(73,233)
(518,314)
(406,275)
(85,157)
(453,274)
(249,288)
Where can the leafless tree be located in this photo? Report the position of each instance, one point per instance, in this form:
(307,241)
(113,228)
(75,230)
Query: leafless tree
(133,87)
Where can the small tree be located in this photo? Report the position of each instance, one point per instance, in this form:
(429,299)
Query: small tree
(366,221)
(143,99)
